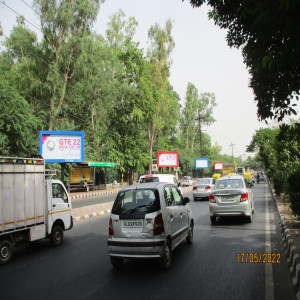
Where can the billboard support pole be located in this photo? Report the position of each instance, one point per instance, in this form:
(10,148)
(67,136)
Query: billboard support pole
(62,175)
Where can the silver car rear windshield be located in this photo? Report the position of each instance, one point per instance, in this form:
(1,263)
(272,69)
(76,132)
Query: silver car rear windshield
(149,179)
(229,184)
(136,201)
(203,181)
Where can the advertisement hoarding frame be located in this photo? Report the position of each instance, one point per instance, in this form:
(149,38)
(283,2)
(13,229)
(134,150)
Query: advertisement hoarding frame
(202,159)
(167,152)
(218,163)
(63,133)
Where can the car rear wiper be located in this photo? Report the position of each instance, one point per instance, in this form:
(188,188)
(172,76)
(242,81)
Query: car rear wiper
(136,208)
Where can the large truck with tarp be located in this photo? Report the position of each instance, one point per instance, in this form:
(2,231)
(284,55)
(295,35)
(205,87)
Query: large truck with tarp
(31,207)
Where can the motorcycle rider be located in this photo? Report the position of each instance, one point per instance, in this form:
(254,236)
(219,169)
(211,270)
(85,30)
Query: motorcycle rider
(257,177)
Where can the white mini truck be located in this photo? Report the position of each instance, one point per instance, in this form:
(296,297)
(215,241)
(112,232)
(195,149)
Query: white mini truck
(31,207)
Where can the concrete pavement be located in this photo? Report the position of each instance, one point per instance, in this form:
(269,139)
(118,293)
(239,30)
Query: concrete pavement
(86,212)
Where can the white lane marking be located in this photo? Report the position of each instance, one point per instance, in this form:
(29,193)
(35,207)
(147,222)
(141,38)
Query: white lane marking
(269,283)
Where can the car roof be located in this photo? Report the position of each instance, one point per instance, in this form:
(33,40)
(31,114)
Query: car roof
(158,175)
(148,185)
(232,177)
(205,178)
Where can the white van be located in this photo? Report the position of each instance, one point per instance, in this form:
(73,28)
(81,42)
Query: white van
(161,178)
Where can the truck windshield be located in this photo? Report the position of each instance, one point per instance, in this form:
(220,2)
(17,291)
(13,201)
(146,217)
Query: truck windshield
(59,192)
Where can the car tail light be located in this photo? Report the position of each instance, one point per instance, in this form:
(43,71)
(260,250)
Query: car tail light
(111,228)
(212,198)
(244,197)
(208,187)
(195,188)
(158,227)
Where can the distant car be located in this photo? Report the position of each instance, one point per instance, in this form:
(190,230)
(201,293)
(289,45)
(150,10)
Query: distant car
(148,221)
(231,197)
(203,188)
(160,178)
(187,181)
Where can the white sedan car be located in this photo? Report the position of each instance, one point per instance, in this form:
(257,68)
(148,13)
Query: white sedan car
(231,197)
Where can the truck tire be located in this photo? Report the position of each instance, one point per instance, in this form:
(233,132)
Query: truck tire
(6,251)
(57,236)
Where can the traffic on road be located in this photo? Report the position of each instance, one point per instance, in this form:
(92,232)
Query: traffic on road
(228,260)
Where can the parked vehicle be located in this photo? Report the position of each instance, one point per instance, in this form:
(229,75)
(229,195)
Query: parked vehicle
(160,178)
(149,221)
(187,181)
(231,197)
(203,188)
(31,207)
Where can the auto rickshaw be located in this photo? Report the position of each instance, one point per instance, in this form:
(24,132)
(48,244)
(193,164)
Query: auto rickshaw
(248,178)
(216,176)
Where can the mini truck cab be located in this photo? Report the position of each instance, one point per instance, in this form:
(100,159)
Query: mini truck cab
(149,221)
(31,207)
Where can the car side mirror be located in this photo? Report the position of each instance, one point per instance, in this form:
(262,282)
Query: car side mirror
(186,200)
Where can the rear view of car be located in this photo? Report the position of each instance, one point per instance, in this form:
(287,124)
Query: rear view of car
(203,188)
(160,178)
(231,197)
(142,225)
(187,181)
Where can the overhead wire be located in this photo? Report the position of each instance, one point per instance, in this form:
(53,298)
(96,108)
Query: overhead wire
(21,16)
(31,8)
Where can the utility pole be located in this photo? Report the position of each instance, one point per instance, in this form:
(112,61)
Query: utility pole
(199,119)
(231,145)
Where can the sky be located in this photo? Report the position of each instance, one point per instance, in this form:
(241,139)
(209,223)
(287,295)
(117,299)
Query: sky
(201,56)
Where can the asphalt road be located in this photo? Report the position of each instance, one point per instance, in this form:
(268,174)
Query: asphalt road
(207,269)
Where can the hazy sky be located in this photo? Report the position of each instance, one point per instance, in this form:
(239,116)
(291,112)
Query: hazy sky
(201,56)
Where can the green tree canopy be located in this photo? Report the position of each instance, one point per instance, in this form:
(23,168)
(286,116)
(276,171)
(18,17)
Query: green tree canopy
(17,124)
(268,33)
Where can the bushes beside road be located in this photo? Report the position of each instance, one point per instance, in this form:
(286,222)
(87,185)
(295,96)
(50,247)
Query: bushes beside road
(279,151)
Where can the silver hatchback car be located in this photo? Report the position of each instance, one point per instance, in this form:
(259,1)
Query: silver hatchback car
(149,221)
(231,197)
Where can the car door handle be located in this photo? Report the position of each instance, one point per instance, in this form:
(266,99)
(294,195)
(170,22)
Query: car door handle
(171,217)
(53,205)
(181,215)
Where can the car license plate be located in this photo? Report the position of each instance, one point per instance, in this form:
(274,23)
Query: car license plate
(132,223)
(227,198)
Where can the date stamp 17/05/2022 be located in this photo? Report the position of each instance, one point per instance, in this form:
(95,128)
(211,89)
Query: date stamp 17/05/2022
(256,258)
